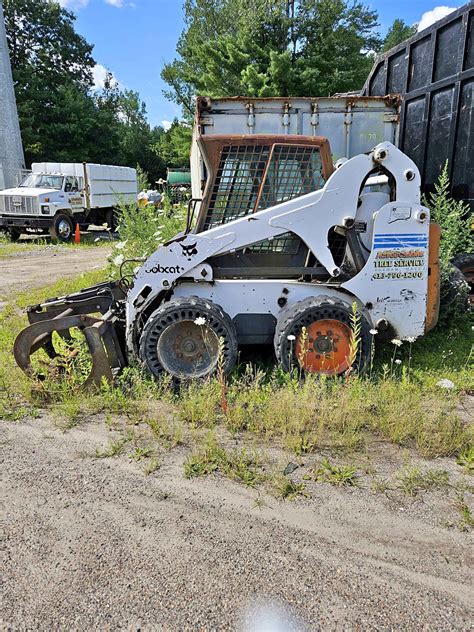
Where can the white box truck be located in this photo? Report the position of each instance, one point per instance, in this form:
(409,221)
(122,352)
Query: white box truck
(55,197)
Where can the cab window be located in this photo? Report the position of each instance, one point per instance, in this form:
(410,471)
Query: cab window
(72,185)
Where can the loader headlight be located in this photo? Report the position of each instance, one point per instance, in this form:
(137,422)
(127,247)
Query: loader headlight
(45,209)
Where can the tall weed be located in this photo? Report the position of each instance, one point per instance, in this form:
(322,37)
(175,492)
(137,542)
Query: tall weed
(142,230)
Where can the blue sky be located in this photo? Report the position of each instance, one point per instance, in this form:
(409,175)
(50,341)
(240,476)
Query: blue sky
(133,38)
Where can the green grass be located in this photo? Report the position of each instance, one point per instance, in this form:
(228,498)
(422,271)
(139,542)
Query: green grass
(241,465)
(339,475)
(466,459)
(19,396)
(326,413)
(412,480)
(115,448)
(287,489)
(466,519)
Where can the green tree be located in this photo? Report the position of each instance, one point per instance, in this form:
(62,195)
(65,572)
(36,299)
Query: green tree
(271,47)
(61,117)
(174,145)
(398,33)
(453,216)
(52,68)
(137,138)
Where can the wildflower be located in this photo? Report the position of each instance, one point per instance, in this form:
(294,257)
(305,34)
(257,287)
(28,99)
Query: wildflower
(396,342)
(200,320)
(373,332)
(411,339)
(445,383)
(398,361)
(121,244)
(118,260)
(291,337)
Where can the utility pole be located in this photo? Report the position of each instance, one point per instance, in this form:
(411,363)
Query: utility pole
(11,149)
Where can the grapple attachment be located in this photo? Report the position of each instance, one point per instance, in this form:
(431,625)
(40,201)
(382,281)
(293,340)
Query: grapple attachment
(96,311)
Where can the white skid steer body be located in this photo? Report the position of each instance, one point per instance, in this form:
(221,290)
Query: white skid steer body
(392,286)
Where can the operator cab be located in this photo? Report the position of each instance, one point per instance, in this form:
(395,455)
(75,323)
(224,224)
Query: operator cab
(250,173)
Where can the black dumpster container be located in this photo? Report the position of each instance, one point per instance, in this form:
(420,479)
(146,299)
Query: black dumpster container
(434,73)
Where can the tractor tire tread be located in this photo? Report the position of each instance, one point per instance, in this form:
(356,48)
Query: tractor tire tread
(291,315)
(147,347)
(464,260)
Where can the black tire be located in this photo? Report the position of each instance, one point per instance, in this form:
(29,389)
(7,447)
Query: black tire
(465,263)
(454,294)
(62,228)
(197,353)
(111,219)
(306,313)
(15,233)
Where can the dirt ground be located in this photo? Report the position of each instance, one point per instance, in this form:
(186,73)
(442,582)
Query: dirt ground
(94,544)
(34,268)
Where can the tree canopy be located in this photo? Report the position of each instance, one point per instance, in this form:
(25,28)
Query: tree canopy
(61,117)
(398,33)
(228,47)
(272,47)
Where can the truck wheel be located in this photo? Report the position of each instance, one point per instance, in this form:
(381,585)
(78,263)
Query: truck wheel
(15,234)
(62,228)
(187,337)
(465,263)
(111,219)
(316,335)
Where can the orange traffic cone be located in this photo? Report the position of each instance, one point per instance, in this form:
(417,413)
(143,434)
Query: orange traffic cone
(77,234)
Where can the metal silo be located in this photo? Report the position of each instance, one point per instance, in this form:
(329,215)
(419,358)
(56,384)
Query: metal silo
(11,149)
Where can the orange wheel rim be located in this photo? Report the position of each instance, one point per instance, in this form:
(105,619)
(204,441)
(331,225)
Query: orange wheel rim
(324,347)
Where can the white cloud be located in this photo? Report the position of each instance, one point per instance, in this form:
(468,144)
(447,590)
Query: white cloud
(166,125)
(99,73)
(80,4)
(73,4)
(430,17)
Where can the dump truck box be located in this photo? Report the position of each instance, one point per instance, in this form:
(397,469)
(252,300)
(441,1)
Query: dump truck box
(353,125)
(433,71)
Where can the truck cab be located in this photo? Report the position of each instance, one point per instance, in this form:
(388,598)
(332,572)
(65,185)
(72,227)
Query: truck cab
(31,206)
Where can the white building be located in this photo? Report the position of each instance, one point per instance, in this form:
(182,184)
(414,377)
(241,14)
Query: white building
(11,149)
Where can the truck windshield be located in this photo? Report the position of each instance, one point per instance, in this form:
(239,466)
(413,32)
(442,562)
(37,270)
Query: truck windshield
(43,181)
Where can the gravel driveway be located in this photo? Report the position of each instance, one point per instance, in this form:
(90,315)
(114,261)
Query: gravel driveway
(35,268)
(95,544)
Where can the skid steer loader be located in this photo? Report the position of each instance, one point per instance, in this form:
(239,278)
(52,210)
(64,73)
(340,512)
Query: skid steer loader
(283,246)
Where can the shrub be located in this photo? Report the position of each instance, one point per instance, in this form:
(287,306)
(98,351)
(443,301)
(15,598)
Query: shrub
(454,218)
(142,229)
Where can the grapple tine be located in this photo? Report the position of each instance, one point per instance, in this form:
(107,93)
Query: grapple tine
(100,362)
(45,338)
(36,335)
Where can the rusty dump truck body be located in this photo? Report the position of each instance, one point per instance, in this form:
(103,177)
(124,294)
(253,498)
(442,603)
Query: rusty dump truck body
(353,125)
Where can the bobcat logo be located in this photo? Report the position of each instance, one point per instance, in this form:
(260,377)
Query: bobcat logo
(189,251)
